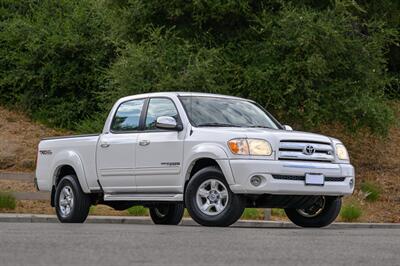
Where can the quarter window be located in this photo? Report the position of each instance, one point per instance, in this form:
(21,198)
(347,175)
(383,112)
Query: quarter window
(159,107)
(127,116)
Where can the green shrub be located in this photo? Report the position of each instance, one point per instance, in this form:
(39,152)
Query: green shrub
(371,190)
(278,212)
(307,66)
(253,214)
(138,211)
(7,201)
(186,214)
(350,212)
(52,59)
(92,209)
(308,62)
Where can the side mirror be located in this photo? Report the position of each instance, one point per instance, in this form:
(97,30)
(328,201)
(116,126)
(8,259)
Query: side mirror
(168,122)
(286,127)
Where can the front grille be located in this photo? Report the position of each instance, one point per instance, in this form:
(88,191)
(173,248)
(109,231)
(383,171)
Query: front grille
(302,178)
(298,150)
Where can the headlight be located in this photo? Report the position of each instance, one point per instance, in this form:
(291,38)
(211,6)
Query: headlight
(250,147)
(341,152)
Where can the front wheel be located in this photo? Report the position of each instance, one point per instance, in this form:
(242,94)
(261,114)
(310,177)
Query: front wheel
(210,201)
(322,213)
(170,214)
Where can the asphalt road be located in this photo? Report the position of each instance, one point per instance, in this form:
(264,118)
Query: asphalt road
(116,244)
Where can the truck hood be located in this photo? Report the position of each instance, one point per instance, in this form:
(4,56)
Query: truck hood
(274,136)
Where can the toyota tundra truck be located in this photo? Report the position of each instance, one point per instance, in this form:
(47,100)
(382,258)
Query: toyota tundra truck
(212,154)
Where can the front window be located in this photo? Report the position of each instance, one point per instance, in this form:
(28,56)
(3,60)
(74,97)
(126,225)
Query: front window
(226,112)
(159,107)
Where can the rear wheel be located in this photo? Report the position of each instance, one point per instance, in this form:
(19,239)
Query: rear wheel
(72,205)
(322,213)
(170,214)
(210,201)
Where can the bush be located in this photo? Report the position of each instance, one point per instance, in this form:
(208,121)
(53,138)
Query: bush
(371,190)
(253,214)
(138,211)
(92,210)
(308,62)
(7,201)
(308,67)
(278,212)
(165,62)
(52,59)
(350,212)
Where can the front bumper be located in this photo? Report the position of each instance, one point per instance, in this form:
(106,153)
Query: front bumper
(339,178)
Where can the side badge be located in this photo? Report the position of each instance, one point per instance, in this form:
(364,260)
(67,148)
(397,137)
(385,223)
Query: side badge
(46,152)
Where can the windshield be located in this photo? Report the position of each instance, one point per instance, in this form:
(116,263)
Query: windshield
(225,112)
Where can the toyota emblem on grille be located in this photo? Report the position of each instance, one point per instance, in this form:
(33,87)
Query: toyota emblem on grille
(309,150)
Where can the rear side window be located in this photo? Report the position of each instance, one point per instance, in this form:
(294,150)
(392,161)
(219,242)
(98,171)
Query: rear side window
(159,107)
(127,116)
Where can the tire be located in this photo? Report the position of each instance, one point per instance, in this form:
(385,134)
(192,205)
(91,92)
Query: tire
(169,214)
(230,206)
(322,217)
(79,209)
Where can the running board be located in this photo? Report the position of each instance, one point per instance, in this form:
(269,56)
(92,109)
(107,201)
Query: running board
(143,197)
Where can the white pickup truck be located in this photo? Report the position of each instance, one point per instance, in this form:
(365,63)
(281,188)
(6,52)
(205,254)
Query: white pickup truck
(212,154)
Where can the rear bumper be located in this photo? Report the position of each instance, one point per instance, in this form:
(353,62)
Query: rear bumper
(339,178)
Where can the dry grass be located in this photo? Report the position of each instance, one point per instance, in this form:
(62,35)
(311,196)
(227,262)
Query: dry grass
(19,137)
(376,160)
(16,186)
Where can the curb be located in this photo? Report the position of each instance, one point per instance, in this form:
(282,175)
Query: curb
(22,176)
(31,195)
(41,218)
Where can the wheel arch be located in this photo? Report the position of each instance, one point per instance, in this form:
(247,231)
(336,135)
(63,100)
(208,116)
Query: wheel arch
(68,163)
(209,155)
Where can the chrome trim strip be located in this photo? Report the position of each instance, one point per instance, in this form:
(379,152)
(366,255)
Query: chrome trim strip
(300,146)
(302,156)
(293,165)
(143,197)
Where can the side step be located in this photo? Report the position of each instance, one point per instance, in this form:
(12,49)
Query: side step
(143,197)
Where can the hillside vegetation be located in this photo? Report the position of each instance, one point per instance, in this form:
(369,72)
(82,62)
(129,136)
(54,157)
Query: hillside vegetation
(309,62)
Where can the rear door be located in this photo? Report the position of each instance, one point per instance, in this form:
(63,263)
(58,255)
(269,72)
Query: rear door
(159,152)
(116,149)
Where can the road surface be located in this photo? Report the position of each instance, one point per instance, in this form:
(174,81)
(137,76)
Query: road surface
(118,244)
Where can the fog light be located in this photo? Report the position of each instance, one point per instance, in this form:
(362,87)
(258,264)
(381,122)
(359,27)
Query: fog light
(256,180)
(351,183)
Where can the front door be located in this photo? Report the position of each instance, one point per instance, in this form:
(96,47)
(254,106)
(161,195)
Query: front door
(116,149)
(159,153)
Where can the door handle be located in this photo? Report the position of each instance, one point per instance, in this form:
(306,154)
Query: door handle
(144,142)
(104,145)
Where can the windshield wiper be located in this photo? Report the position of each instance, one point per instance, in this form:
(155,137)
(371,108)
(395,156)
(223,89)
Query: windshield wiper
(256,126)
(217,125)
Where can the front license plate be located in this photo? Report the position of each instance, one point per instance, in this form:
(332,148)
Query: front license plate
(315,179)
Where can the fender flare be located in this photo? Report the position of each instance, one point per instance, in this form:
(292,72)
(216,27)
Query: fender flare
(210,151)
(73,160)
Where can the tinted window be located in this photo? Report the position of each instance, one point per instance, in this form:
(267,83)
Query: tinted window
(225,112)
(159,107)
(127,116)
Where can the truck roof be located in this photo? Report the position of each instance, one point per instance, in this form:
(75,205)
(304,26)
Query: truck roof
(181,93)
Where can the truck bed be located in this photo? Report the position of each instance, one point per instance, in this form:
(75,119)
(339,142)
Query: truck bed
(75,150)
